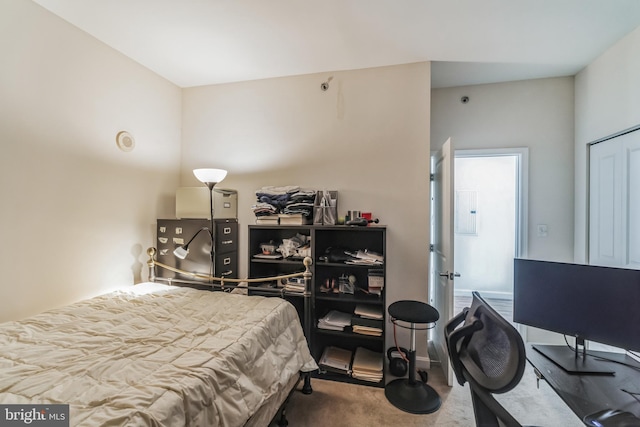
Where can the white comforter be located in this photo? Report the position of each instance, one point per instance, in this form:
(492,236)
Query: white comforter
(155,355)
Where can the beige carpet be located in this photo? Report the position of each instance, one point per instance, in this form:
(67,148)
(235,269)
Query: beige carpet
(338,404)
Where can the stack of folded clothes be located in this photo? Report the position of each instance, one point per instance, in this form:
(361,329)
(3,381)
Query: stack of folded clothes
(301,203)
(287,200)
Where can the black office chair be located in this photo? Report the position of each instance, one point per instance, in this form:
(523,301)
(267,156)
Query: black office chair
(489,354)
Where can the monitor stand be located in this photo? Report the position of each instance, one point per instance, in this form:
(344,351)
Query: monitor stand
(572,361)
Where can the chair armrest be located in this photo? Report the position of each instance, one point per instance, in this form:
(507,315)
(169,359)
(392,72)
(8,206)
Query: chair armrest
(453,337)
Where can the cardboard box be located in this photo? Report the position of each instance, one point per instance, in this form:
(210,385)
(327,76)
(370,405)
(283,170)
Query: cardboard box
(193,202)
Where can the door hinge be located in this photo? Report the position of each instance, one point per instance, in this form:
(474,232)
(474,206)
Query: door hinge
(432,248)
(432,177)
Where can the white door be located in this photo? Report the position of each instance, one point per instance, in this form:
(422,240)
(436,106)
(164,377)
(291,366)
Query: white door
(443,270)
(614,202)
(632,205)
(605,200)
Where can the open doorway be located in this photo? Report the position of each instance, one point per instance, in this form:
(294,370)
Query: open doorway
(489,224)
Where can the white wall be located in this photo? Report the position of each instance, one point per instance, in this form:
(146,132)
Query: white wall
(607,101)
(367,137)
(77,214)
(534,113)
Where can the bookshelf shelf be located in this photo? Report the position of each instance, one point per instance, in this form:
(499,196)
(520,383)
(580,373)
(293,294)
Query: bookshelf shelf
(373,300)
(297,262)
(333,376)
(347,333)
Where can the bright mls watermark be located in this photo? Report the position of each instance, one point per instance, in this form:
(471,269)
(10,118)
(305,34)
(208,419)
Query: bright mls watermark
(34,415)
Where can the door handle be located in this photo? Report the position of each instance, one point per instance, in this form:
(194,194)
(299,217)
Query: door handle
(449,275)
(445,274)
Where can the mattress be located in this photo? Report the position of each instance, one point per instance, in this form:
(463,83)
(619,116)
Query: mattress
(155,355)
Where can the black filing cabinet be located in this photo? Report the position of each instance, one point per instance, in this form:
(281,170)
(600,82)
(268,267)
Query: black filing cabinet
(172,233)
(226,254)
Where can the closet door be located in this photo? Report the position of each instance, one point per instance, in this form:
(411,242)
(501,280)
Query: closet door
(631,199)
(605,204)
(614,202)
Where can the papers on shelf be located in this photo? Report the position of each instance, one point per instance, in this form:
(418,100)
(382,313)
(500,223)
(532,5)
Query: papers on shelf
(295,284)
(368,311)
(335,320)
(365,257)
(367,330)
(336,359)
(367,365)
(363,321)
(268,256)
(365,326)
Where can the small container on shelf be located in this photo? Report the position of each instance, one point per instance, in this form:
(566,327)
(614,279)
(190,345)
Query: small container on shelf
(268,248)
(375,281)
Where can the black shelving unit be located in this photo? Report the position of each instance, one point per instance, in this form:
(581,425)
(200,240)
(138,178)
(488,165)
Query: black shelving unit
(321,239)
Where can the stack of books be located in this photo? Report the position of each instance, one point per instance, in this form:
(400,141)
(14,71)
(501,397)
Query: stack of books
(336,359)
(335,320)
(267,220)
(295,284)
(367,365)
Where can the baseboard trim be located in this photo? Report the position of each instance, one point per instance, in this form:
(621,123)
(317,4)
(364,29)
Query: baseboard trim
(485,294)
(423,363)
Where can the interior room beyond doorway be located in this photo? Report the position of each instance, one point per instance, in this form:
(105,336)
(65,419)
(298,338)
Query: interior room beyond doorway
(486,228)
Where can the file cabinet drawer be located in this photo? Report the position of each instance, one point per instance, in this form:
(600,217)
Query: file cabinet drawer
(226,236)
(227,265)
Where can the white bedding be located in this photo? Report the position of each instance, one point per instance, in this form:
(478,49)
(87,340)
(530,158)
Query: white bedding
(155,355)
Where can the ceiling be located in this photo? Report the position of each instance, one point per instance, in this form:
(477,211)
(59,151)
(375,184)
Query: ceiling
(202,42)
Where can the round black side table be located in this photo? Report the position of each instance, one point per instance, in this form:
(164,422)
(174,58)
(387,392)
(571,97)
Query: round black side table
(407,394)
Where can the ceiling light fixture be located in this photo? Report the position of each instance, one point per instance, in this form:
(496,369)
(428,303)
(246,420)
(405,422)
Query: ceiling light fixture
(125,141)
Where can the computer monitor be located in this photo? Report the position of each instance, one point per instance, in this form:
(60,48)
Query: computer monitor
(593,303)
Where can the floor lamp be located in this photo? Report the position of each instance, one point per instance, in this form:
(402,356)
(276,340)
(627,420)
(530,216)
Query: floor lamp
(209,177)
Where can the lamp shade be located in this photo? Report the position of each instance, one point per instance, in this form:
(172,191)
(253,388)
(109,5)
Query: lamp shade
(181,252)
(210,175)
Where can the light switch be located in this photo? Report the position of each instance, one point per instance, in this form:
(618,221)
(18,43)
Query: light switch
(543,230)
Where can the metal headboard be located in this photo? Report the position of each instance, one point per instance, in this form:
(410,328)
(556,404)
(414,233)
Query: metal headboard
(225,283)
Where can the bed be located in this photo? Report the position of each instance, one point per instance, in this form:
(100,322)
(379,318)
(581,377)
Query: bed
(158,355)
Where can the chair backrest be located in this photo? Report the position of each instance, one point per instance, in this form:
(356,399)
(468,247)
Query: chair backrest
(488,352)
